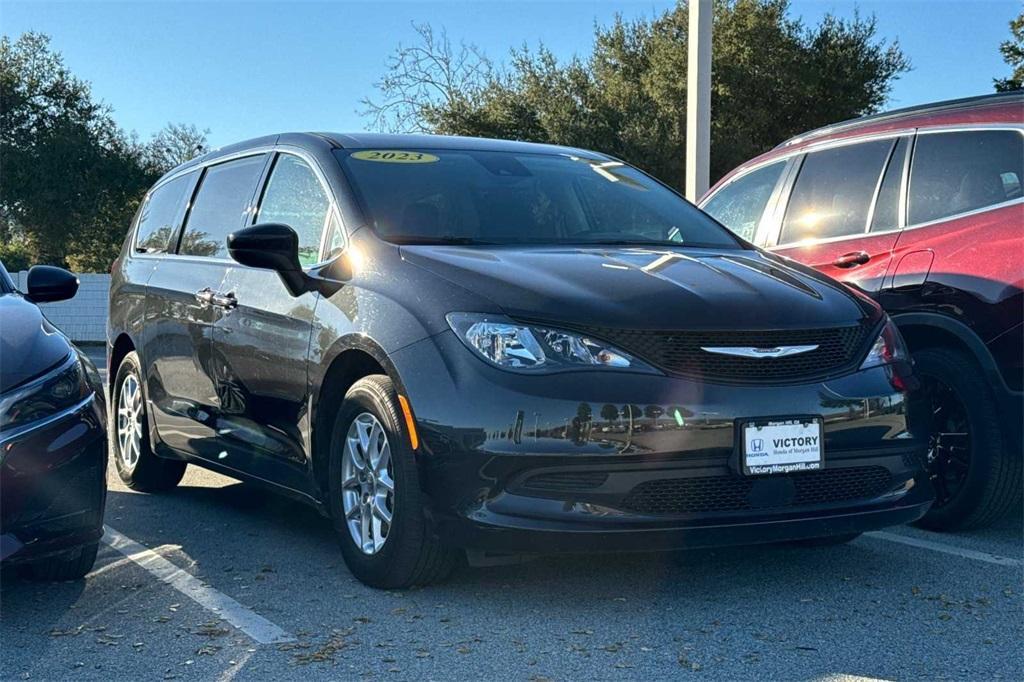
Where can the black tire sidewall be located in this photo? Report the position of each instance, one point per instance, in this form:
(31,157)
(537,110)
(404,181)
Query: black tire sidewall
(961,374)
(394,565)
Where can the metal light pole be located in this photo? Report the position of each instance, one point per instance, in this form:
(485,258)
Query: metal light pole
(698,99)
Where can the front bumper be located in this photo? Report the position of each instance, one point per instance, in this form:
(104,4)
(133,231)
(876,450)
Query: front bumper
(604,460)
(53,484)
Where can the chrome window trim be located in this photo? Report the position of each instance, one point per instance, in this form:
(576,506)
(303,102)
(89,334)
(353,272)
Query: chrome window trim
(255,151)
(878,187)
(871,207)
(825,144)
(905,189)
(201,168)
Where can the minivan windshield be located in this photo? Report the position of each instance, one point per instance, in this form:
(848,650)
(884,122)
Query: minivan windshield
(448,196)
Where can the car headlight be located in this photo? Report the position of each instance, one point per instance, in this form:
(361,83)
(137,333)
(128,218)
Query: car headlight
(58,389)
(888,348)
(522,347)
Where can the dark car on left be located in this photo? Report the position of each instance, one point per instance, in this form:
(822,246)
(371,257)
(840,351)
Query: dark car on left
(53,444)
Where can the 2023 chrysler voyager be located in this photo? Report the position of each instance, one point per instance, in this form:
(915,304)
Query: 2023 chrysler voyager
(922,209)
(452,344)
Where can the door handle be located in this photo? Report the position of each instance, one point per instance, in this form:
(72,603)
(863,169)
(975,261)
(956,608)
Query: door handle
(226,301)
(205,295)
(852,259)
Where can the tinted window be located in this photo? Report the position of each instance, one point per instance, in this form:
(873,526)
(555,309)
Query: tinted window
(295,197)
(958,172)
(740,204)
(887,206)
(833,192)
(161,215)
(512,198)
(224,194)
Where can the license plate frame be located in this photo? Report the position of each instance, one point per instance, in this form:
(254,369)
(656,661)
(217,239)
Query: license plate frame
(771,458)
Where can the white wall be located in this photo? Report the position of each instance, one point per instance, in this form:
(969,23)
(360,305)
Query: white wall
(84,317)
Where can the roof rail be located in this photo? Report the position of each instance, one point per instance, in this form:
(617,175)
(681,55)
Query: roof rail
(934,107)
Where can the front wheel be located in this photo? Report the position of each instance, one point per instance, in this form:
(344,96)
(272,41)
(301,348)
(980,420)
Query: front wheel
(976,478)
(137,466)
(375,499)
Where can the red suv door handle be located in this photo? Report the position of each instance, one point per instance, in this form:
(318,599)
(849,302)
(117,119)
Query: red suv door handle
(849,260)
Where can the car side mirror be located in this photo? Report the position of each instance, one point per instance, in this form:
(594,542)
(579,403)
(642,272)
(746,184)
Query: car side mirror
(47,283)
(271,246)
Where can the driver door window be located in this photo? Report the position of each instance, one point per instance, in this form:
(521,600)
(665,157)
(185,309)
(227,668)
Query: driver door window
(295,197)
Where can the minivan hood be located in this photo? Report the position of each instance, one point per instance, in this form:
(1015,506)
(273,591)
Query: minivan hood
(29,344)
(646,288)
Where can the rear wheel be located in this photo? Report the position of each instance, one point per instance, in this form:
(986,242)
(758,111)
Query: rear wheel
(375,498)
(976,479)
(70,565)
(138,467)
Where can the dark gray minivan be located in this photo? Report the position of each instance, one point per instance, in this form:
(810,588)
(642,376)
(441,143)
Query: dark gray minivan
(450,343)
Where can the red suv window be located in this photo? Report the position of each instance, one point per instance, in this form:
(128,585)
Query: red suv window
(957,172)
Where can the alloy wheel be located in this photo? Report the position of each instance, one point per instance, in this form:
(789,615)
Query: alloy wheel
(367,482)
(949,441)
(129,421)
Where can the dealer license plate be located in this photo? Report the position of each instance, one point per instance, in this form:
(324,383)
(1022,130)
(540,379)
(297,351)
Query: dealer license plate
(780,446)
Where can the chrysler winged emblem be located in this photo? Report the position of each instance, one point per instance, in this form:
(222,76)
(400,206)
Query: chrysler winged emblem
(752,352)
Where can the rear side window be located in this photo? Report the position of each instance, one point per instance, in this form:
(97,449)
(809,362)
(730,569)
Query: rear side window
(957,172)
(740,204)
(295,197)
(224,195)
(161,215)
(833,192)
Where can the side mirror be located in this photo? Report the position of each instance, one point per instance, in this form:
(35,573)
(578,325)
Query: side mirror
(47,283)
(271,246)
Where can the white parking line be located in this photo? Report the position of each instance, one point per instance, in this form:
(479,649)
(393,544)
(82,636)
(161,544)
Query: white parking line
(946,549)
(256,626)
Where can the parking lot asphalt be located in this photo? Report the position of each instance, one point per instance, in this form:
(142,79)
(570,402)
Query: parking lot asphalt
(220,580)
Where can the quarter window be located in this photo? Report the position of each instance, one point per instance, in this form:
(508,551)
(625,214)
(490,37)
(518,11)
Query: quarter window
(956,172)
(740,204)
(224,195)
(295,197)
(161,215)
(833,192)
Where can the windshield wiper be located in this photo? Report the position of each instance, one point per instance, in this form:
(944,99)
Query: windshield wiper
(447,239)
(629,242)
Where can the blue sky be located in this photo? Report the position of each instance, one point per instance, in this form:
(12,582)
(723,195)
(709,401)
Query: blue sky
(247,69)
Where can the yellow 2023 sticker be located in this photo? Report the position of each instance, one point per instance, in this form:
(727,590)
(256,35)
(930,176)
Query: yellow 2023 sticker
(394,156)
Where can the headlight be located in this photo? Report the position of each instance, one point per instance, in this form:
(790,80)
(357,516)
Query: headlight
(516,346)
(59,389)
(888,348)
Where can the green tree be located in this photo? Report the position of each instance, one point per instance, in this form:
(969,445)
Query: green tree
(772,77)
(71,178)
(1013,55)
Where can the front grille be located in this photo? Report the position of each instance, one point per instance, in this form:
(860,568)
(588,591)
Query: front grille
(679,352)
(567,480)
(731,493)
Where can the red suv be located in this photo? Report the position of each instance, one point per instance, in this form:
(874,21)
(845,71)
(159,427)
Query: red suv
(922,209)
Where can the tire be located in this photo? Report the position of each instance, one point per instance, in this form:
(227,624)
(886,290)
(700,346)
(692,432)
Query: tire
(409,554)
(70,565)
(143,470)
(827,541)
(992,483)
